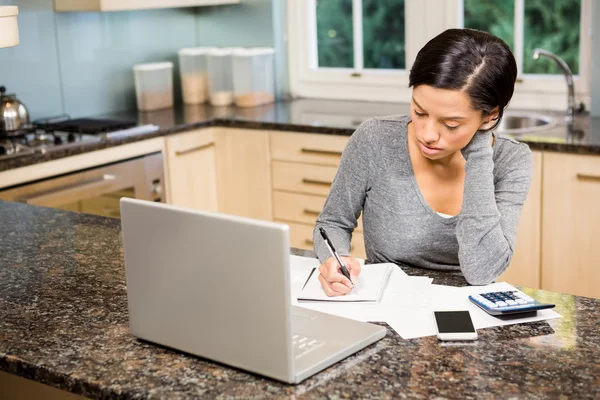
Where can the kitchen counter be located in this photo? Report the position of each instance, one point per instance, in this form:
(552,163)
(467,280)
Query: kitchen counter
(64,322)
(304,115)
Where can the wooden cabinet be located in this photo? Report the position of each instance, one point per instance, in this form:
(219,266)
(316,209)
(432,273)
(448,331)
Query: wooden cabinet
(191,170)
(121,5)
(219,169)
(525,266)
(571,224)
(303,169)
(243,176)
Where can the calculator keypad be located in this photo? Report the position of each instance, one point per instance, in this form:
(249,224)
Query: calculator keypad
(499,300)
(509,302)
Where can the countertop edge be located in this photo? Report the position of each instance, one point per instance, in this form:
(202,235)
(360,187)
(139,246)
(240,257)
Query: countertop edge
(38,158)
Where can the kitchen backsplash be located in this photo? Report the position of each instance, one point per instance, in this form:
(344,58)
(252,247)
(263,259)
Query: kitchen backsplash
(81,63)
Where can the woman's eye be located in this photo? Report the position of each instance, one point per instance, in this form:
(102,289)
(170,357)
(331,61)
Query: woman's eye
(418,114)
(451,127)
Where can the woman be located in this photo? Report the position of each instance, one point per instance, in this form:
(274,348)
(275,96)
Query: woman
(436,188)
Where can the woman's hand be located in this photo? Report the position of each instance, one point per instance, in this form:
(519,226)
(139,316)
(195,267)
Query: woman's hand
(481,142)
(332,280)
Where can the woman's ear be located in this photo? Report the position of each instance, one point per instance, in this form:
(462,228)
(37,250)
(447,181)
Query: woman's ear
(490,119)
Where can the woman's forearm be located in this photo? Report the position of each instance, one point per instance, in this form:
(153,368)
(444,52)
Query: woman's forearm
(489,218)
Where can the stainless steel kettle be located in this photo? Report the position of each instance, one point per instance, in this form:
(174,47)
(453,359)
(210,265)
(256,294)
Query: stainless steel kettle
(13,113)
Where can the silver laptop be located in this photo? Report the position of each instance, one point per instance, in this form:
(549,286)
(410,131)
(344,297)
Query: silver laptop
(218,286)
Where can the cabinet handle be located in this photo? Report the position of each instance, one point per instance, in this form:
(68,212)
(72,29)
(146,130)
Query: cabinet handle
(315,182)
(321,152)
(311,212)
(197,148)
(309,242)
(588,177)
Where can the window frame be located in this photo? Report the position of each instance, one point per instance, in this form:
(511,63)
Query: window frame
(532,91)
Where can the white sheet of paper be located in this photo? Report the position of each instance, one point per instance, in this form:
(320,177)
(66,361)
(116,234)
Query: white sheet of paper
(414,322)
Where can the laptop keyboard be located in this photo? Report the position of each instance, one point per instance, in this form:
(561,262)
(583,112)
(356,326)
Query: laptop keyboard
(304,345)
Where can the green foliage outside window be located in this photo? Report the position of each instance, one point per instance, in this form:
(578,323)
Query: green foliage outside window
(550,24)
(334,33)
(383,34)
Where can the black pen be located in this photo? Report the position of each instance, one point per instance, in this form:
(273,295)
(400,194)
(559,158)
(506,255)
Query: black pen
(335,254)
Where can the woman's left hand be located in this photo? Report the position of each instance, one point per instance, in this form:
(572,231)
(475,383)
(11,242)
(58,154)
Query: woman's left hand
(480,143)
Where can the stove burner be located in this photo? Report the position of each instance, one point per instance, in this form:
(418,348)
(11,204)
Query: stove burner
(41,138)
(57,133)
(91,126)
(11,147)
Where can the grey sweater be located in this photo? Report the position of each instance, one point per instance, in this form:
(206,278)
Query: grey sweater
(375,177)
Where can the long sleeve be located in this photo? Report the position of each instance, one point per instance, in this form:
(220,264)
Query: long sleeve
(347,195)
(487,225)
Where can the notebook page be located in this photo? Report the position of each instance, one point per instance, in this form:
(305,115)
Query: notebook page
(371,283)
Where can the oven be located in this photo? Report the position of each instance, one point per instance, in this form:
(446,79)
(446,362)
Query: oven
(96,190)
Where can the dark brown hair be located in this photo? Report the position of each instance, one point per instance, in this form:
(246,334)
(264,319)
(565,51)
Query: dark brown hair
(476,62)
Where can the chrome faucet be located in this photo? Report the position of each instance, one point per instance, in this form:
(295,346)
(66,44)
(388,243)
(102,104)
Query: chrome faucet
(568,76)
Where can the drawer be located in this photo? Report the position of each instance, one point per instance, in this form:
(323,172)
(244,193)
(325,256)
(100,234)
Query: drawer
(296,207)
(307,147)
(301,238)
(302,178)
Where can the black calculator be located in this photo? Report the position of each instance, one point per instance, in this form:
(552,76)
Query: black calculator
(509,302)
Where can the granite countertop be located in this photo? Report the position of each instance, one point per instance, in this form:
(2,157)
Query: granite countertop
(336,117)
(64,322)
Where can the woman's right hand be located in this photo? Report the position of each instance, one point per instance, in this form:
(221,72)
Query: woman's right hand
(332,280)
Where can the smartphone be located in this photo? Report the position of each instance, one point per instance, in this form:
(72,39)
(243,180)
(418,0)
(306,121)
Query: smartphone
(454,325)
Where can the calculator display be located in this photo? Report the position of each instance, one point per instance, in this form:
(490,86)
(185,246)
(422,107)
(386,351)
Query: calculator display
(453,321)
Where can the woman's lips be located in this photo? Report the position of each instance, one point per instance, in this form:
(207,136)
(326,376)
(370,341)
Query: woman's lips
(429,150)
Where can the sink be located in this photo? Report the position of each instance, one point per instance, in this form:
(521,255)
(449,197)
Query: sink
(519,123)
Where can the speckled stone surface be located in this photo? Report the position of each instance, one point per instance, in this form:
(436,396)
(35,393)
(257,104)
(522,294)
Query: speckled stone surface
(64,322)
(334,117)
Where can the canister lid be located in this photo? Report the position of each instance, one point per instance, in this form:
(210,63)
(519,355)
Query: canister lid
(195,51)
(8,11)
(153,66)
(254,51)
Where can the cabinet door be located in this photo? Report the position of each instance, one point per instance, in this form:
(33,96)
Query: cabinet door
(571,224)
(243,173)
(301,237)
(525,266)
(191,166)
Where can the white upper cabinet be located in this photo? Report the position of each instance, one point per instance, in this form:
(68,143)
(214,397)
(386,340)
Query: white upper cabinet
(122,5)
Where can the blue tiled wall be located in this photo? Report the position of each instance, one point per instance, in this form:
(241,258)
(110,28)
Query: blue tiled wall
(81,63)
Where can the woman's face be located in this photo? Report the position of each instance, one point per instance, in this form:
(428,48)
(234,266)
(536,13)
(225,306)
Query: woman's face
(444,121)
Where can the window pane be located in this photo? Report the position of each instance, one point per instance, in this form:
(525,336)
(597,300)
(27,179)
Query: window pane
(334,33)
(554,26)
(383,34)
(494,16)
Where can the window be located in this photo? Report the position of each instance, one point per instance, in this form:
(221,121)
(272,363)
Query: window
(373,38)
(364,49)
(554,26)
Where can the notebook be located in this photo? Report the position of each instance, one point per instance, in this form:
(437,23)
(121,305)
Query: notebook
(369,288)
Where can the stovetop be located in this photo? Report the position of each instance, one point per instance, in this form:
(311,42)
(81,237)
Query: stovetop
(58,133)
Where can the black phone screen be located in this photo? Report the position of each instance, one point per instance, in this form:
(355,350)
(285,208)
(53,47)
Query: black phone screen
(453,321)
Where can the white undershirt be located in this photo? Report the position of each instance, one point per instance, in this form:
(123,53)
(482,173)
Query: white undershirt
(445,215)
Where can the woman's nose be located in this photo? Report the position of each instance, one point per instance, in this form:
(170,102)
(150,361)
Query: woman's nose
(430,134)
